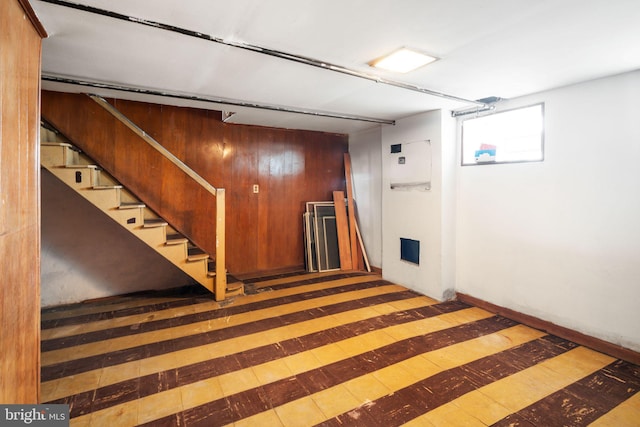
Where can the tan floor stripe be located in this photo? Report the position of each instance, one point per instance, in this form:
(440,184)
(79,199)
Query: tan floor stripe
(465,366)
(93,307)
(131,302)
(130,341)
(493,402)
(297,278)
(625,414)
(85,381)
(69,330)
(235,382)
(410,371)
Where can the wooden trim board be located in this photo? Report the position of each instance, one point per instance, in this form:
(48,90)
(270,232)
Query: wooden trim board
(566,333)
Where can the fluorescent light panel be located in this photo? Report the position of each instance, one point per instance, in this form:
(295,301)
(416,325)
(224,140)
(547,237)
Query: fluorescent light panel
(403,60)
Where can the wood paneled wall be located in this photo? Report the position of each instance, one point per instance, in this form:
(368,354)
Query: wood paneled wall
(20,41)
(264,230)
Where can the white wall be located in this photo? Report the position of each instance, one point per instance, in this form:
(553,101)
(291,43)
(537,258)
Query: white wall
(421,215)
(366,166)
(560,240)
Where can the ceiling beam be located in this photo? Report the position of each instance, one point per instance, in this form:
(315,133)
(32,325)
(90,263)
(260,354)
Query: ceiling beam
(211,100)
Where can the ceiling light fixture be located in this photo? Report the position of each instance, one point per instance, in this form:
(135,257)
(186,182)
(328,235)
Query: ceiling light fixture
(403,60)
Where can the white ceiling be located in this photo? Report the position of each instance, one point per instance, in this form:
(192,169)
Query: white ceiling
(503,48)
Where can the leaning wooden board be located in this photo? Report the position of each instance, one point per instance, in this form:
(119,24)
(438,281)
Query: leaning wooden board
(352,219)
(342,223)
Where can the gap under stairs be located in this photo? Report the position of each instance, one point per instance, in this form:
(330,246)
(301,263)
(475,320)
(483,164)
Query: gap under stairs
(79,172)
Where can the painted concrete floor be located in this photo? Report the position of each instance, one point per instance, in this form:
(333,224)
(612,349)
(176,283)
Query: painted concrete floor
(327,349)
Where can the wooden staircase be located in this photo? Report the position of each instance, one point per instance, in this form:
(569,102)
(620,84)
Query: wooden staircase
(83,175)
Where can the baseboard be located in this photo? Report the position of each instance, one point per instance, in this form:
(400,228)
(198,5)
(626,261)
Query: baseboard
(376,270)
(551,328)
(271,272)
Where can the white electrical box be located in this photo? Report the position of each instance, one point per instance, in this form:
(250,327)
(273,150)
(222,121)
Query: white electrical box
(410,165)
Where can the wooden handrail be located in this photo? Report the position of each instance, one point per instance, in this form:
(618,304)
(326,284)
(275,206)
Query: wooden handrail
(155,144)
(219,193)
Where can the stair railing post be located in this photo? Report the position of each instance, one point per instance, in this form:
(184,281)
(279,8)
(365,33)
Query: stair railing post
(221,271)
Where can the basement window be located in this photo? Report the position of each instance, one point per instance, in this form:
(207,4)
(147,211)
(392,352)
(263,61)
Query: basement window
(509,136)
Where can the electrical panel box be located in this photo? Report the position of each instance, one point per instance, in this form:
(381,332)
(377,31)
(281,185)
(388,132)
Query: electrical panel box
(410,165)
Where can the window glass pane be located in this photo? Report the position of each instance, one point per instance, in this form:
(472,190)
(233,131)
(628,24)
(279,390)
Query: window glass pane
(508,136)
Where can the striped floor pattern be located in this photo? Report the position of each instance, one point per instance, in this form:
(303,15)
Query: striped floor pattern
(327,349)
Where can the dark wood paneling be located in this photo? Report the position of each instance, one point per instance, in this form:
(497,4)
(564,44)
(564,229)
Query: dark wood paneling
(264,230)
(20,210)
(243,210)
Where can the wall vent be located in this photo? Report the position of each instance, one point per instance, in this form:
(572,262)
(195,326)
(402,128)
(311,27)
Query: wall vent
(410,250)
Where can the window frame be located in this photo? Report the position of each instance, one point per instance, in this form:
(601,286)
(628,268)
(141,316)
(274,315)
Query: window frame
(542,137)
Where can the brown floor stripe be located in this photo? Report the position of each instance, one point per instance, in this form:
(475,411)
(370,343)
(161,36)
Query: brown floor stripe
(319,279)
(201,297)
(216,313)
(105,315)
(273,277)
(154,383)
(419,398)
(129,300)
(256,400)
(76,366)
(278,380)
(582,402)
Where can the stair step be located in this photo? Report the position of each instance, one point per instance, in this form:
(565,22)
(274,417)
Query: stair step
(56,144)
(106,187)
(235,285)
(196,254)
(81,166)
(211,268)
(176,239)
(235,288)
(155,222)
(131,205)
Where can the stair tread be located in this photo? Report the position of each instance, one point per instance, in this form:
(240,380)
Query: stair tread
(175,236)
(81,166)
(56,144)
(235,285)
(155,222)
(211,268)
(194,253)
(176,239)
(106,187)
(231,292)
(131,205)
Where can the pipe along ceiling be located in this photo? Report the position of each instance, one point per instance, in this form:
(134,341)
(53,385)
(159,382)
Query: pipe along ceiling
(250,47)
